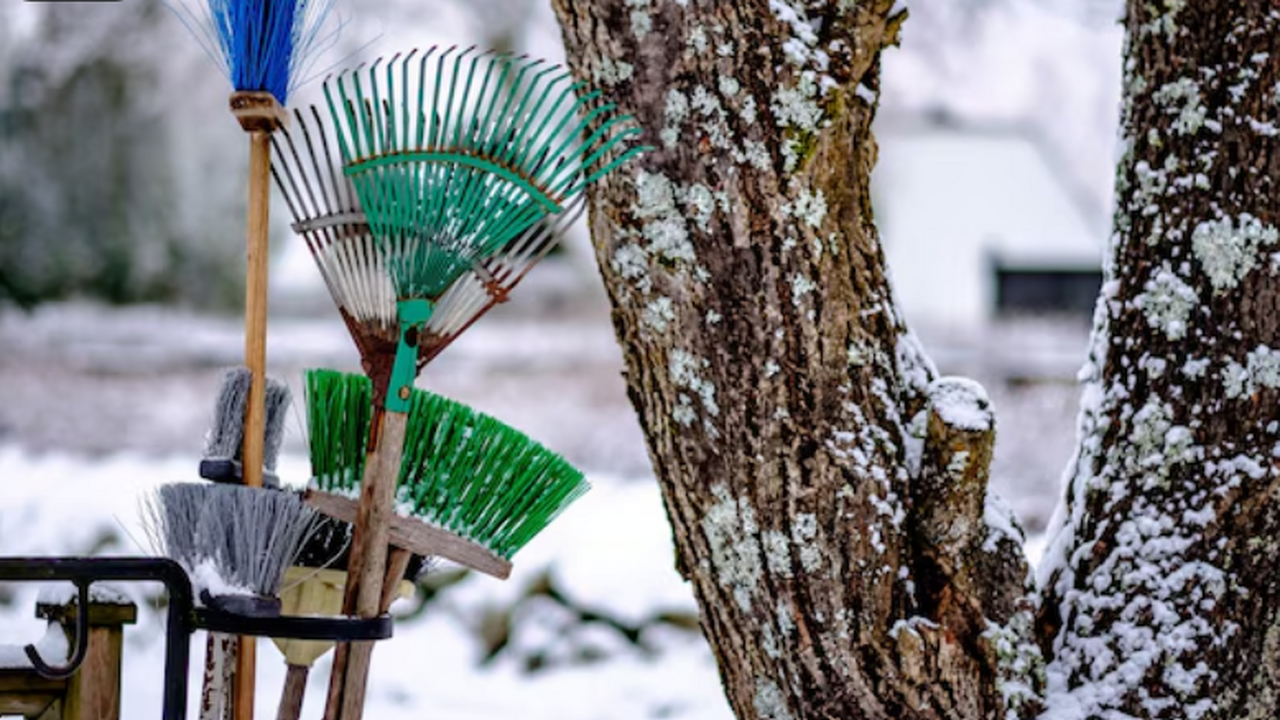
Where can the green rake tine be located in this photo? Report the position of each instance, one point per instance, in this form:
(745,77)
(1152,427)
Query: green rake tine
(406,88)
(377,110)
(506,145)
(458,109)
(480,122)
(465,133)
(626,155)
(525,133)
(352,110)
(422,89)
(338,125)
(509,118)
(366,113)
(560,178)
(573,139)
(386,119)
(506,60)
(454,63)
(437,122)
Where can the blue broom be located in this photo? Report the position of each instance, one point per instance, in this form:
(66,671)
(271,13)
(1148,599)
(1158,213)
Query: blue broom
(264,47)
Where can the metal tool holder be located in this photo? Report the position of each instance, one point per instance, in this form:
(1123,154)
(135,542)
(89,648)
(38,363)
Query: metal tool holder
(183,616)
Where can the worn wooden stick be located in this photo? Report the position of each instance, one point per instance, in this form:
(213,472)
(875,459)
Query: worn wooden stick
(259,114)
(295,687)
(366,571)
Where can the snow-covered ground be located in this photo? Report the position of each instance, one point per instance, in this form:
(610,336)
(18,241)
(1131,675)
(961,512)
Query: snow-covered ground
(611,551)
(98,405)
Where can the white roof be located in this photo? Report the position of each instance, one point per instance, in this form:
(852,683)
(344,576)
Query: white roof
(950,202)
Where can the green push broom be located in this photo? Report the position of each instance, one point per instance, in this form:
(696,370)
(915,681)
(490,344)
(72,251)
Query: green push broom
(263,46)
(471,489)
(453,157)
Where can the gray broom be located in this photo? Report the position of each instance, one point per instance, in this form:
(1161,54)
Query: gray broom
(235,542)
(223,460)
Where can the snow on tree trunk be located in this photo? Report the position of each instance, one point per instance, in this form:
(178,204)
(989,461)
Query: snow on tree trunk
(827,492)
(1161,599)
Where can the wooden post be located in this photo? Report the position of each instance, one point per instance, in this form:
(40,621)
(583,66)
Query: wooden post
(93,693)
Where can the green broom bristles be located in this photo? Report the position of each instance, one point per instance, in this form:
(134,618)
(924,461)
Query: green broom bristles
(339,410)
(463,471)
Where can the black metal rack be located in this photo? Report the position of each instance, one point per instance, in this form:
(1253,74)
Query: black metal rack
(183,616)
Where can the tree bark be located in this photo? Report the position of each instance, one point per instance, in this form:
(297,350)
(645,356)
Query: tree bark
(1161,600)
(799,434)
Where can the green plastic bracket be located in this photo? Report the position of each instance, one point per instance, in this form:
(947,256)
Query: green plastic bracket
(412,313)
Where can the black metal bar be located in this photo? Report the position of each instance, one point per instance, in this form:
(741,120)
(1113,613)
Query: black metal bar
(296,627)
(62,672)
(84,571)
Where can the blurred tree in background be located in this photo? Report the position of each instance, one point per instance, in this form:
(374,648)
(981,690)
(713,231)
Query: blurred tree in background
(89,179)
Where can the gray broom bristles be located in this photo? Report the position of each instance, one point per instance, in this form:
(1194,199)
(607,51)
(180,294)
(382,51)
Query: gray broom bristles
(231,539)
(221,461)
(227,432)
(277,403)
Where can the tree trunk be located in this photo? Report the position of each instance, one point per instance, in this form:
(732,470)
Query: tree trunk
(827,492)
(1161,600)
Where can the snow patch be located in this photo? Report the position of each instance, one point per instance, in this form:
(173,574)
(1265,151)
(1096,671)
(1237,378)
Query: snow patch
(1229,249)
(961,403)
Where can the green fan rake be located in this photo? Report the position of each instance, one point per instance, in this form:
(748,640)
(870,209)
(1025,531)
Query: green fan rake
(459,170)
(455,157)
(328,216)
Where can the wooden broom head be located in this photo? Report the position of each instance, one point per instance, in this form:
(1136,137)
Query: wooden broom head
(456,155)
(258,111)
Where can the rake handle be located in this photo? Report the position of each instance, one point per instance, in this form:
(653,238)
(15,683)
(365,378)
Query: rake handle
(369,566)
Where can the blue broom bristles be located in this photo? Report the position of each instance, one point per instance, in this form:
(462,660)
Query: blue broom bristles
(259,44)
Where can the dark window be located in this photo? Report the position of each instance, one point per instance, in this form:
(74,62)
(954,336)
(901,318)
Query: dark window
(1070,291)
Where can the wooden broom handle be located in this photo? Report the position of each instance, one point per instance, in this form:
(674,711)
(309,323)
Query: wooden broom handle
(255,306)
(259,114)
